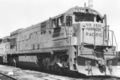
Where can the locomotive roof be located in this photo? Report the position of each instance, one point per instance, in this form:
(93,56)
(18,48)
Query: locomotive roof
(79,9)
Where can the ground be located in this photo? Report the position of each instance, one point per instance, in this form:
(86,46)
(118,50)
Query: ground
(20,74)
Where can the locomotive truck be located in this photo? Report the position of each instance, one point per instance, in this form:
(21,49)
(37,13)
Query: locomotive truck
(76,40)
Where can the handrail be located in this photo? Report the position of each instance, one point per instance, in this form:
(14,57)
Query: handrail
(113,39)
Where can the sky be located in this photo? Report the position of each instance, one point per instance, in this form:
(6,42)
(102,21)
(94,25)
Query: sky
(16,14)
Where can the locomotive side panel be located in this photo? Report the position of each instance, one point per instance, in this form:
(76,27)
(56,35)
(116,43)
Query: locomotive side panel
(34,38)
(23,38)
(45,36)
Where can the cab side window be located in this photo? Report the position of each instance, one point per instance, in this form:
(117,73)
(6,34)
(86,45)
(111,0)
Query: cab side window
(99,19)
(68,20)
(12,43)
(43,28)
(56,27)
(57,23)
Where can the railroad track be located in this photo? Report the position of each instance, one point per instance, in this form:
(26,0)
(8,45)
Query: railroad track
(102,78)
(6,77)
(78,76)
(47,75)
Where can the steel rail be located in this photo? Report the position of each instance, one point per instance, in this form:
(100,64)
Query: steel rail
(9,77)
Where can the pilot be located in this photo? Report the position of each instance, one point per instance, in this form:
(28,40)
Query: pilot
(101,65)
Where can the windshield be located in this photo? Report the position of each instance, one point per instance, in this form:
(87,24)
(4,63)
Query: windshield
(86,17)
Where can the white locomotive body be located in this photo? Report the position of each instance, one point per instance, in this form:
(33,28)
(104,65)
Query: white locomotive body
(77,40)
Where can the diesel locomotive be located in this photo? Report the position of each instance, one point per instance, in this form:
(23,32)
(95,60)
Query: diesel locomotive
(77,40)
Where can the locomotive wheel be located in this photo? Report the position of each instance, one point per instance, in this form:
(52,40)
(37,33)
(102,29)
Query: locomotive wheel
(56,68)
(46,63)
(39,62)
(52,68)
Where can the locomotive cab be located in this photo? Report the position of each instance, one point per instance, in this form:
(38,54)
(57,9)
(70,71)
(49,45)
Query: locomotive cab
(89,32)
